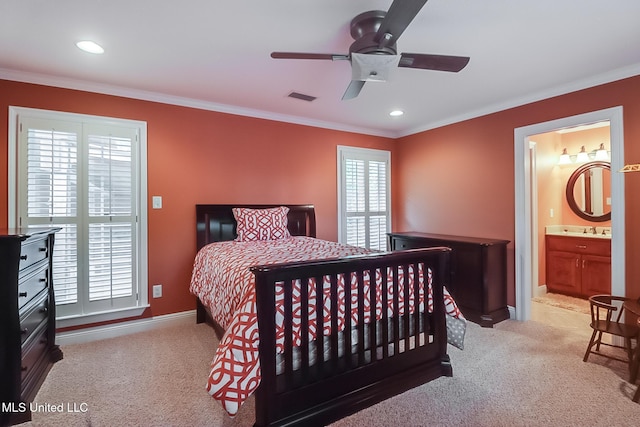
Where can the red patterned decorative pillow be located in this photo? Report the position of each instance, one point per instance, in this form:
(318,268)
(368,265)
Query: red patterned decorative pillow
(261,224)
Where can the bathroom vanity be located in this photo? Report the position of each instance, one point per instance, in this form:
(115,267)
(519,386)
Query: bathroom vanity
(578,263)
(578,257)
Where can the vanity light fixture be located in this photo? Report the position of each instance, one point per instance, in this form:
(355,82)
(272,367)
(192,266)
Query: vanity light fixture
(89,46)
(601,154)
(565,158)
(582,156)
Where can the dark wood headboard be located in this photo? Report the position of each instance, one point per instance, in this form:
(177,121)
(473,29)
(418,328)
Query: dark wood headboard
(215,223)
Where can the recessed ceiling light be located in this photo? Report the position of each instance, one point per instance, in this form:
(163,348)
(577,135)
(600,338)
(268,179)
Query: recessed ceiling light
(396,113)
(89,46)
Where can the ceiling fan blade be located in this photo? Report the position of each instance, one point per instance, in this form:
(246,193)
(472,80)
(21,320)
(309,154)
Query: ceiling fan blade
(397,19)
(433,62)
(301,55)
(353,90)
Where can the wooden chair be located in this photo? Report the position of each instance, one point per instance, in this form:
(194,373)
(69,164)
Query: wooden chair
(636,365)
(602,322)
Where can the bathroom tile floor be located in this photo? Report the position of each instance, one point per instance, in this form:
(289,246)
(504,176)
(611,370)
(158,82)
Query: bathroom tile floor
(573,321)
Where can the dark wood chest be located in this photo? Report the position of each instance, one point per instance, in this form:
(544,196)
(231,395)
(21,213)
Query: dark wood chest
(27,319)
(478,272)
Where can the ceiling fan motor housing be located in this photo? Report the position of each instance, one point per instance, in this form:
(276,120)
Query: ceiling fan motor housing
(364,28)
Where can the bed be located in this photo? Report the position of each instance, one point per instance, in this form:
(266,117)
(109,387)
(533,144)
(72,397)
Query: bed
(305,368)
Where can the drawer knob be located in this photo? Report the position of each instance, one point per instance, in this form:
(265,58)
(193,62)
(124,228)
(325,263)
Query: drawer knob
(23,368)
(22,294)
(43,249)
(23,257)
(24,331)
(581,246)
(44,310)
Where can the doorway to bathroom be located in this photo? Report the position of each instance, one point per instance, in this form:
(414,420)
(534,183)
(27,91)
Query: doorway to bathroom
(527,197)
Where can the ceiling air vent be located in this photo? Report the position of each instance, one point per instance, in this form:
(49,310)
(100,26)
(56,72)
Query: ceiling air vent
(301,96)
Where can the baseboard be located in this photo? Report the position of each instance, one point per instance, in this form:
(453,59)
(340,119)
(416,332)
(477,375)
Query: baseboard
(512,312)
(125,328)
(540,291)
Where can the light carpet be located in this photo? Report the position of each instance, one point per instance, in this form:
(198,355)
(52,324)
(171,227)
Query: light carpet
(516,374)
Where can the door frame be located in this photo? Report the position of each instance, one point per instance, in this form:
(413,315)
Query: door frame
(525,239)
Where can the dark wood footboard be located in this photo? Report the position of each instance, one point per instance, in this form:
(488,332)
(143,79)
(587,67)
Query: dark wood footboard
(338,374)
(377,360)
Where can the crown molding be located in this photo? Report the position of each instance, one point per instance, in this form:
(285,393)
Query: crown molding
(74,84)
(592,81)
(66,83)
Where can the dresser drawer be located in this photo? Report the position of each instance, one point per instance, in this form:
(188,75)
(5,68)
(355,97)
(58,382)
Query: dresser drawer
(33,352)
(580,245)
(32,252)
(399,244)
(31,284)
(34,315)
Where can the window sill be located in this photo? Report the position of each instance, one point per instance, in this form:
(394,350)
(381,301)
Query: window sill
(105,316)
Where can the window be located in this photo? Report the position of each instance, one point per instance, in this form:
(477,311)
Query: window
(364,182)
(85,174)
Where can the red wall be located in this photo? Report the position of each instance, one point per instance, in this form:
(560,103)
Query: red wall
(459,179)
(197,156)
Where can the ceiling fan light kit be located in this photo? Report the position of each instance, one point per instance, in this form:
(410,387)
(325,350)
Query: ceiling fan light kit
(372,68)
(374,53)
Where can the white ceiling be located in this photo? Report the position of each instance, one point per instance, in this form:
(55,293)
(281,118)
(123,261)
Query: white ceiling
(214,54)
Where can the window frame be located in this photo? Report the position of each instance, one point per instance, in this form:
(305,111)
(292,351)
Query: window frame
(140,255)
(366,154)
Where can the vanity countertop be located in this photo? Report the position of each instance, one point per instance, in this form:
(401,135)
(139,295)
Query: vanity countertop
(579,231)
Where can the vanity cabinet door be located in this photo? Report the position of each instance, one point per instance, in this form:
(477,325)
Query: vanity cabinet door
(563,272)
(596,275)
(578,266)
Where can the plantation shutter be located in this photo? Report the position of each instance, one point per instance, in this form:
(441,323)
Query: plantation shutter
(52,196)
(356,206)
(111,221)
(364,193)
(82,177)
(377,183)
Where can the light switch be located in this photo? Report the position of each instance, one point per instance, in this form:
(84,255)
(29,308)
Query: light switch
(156,202)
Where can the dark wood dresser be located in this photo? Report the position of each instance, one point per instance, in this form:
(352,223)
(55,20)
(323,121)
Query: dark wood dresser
(478,272)
(27,319)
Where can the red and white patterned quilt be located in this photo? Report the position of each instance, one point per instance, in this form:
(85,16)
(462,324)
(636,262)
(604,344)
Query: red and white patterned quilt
(223,282)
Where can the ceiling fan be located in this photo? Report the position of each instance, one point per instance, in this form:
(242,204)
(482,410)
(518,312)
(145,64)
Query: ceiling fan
(374,51)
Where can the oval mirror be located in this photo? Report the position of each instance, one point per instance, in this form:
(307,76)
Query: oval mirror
(589,191)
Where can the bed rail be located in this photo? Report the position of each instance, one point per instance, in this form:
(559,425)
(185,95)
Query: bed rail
(357,363)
